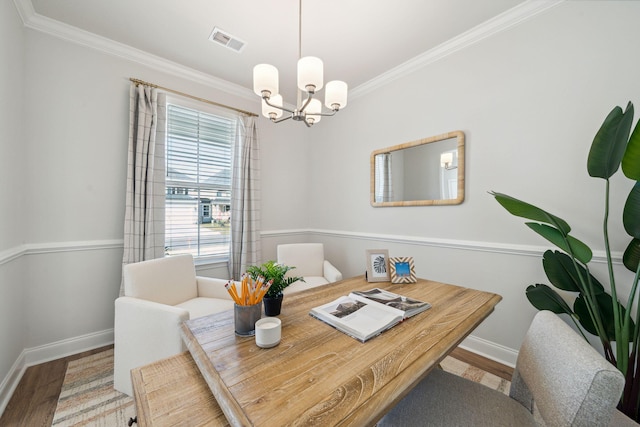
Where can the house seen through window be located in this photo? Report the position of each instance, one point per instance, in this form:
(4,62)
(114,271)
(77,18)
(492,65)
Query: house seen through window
(198,182)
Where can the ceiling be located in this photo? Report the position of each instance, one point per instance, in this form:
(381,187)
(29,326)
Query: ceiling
(358,40)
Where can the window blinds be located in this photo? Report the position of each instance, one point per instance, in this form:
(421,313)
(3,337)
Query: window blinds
(198,182)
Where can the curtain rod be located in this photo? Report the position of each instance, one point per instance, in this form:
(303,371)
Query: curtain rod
(248,113)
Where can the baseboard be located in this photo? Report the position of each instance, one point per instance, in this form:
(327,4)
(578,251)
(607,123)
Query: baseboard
(10,382)
(56,350)
(490,350)
(45,353)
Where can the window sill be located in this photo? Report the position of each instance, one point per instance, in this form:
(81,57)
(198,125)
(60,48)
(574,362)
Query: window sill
(212,261)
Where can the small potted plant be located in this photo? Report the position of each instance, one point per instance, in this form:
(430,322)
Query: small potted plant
(271,270)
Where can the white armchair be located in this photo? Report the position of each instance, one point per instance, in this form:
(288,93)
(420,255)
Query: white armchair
(160,294)
(308,260)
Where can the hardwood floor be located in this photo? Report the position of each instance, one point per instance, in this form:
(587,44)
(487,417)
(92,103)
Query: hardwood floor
(34,401)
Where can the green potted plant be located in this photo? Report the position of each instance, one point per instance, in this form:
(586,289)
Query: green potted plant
(596,309)
(272,271)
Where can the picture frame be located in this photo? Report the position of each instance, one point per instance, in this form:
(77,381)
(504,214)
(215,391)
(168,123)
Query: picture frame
(402,270)
(377,265)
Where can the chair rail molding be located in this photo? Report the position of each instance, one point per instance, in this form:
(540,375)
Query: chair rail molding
(53,247)
(599,256)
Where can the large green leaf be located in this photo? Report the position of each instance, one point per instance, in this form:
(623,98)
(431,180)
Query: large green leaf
(561,272)
(525,210)
(631,213)
(631,159)
(631,257)
(605,306)
(543,297)
(567,243)
(610,142)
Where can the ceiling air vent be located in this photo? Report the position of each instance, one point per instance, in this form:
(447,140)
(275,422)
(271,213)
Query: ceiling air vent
(227,40)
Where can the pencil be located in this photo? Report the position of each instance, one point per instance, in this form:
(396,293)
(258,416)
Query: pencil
(233,293)
(245,291)
(264,289)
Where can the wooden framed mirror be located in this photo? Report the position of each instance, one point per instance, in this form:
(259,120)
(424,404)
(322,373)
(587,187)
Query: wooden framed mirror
(425,172)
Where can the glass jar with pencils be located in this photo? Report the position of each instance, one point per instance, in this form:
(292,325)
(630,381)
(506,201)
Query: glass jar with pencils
(247,309)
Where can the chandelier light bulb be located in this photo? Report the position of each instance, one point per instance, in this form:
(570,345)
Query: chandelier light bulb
(272,112)
(446,159)
(335,96)
(313,111)
(310,74)
(310,80)
(265,80)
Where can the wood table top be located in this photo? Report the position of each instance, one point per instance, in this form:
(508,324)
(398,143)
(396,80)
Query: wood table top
(318,375)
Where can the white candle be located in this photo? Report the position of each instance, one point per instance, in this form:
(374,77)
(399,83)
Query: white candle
(267,325)
(268,332)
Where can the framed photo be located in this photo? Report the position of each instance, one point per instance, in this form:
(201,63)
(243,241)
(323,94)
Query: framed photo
(402,270)
(377,265)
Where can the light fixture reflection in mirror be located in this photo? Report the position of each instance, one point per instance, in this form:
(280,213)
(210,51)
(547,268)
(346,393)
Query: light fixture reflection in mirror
(429,171)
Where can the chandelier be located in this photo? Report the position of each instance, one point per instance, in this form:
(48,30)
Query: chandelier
(310,80)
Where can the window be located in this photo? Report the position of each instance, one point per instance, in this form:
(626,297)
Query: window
(383,178)
(198,182)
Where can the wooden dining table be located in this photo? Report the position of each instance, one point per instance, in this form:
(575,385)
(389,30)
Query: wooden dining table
(318,375)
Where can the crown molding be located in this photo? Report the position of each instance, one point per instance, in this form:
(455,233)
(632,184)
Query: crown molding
(488,28)
(49,26)
(500,23)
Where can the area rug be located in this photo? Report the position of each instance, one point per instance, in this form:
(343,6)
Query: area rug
(89,399)
(472,373)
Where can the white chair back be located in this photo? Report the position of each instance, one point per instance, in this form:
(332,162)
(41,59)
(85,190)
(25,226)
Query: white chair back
(169,280)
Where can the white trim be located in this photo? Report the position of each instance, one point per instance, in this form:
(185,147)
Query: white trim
(599,256)
(493,26)
(490,350)
(46,353)
(10,254)
(68,347)
(11,380)
(500,23)
(58,29)
(54,247)
(88,245)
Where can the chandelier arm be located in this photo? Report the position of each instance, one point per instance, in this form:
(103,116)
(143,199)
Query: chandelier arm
(282,119)
(306,102)
(266,100)
(332,113)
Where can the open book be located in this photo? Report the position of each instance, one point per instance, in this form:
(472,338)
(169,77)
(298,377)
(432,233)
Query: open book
(365,314)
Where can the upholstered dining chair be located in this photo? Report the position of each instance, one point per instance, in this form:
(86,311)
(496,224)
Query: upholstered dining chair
(559,380)
(310,264)
(159,295)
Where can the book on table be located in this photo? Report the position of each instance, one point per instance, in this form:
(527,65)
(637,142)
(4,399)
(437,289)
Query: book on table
(366,314)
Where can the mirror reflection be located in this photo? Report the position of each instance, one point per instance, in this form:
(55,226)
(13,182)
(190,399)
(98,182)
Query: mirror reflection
(429,171)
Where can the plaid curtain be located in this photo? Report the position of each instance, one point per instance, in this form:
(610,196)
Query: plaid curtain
(245,249)
(145,195)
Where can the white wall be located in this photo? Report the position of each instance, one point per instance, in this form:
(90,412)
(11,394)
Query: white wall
(530,100)
(63,135)
(13,191)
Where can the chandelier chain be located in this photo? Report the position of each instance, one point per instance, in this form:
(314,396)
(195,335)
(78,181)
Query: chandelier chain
(300,30)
